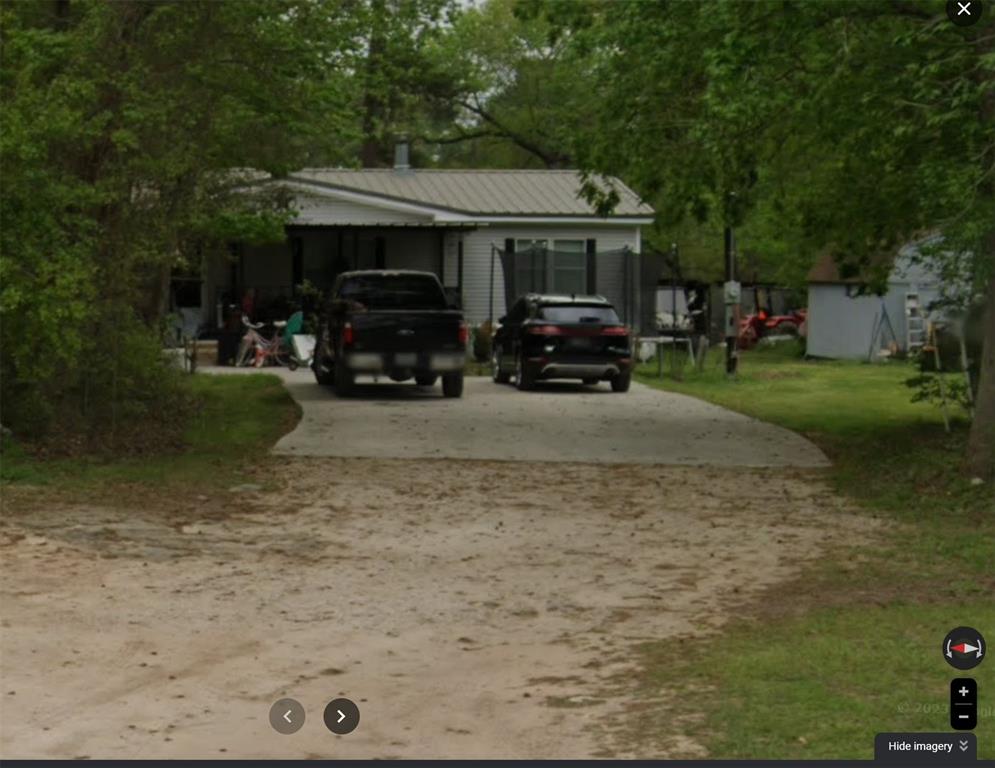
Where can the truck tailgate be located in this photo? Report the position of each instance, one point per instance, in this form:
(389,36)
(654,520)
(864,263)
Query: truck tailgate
(395,331)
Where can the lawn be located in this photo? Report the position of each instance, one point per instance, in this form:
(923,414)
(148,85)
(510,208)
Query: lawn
(851,648)
(236,421)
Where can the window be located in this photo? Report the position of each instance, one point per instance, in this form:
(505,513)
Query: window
(542,266)
(393,292)
(530,266)
(568,267)
(579,313)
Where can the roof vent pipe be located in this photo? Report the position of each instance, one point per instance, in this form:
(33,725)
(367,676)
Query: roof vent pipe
(401,156)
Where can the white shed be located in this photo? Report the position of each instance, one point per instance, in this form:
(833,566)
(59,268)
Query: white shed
(842,321)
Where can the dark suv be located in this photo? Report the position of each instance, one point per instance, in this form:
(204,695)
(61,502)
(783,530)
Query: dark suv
(562,337)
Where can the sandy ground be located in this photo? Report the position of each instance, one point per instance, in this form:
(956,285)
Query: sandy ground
(560,421)
(471,609)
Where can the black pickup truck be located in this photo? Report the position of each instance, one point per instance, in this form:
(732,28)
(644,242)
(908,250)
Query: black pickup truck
(398,324)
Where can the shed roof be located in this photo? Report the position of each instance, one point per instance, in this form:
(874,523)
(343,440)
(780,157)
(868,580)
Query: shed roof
(477,192)
(901,266)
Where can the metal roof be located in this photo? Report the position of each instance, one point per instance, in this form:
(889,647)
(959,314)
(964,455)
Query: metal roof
(480,192)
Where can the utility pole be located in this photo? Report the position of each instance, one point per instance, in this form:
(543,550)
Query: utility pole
(731,294)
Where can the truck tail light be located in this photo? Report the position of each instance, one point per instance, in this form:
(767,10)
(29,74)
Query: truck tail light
(348,335)
(464,333)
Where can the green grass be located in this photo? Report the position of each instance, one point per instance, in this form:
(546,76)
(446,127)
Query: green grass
(851,648)
(237,421)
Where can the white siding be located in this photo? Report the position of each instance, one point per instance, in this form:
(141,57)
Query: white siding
(328,210)
(840,326)
(477,260)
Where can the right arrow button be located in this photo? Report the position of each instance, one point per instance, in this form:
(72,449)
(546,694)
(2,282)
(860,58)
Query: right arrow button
(341,716)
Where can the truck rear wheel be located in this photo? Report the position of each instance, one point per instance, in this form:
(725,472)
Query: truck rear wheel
(345,381)
(452,384)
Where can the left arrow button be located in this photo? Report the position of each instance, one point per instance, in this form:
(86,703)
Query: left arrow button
(286,716)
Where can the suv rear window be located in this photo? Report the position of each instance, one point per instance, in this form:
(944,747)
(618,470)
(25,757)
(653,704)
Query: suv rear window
(572,313)
(394,292)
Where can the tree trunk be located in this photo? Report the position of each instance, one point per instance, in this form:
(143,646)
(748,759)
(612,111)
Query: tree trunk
(372,153)
(981,441)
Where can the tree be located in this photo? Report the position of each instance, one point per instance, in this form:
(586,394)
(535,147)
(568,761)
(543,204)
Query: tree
(398,83)
(866,124)
(515,98)
(122,126)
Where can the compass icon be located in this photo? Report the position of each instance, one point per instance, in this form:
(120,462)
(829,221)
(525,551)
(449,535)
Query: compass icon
(964,648)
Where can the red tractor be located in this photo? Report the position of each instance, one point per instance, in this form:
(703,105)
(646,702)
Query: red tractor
(756,325)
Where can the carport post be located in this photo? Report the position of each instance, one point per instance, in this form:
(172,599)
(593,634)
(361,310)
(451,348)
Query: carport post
(732,303)
(490,309)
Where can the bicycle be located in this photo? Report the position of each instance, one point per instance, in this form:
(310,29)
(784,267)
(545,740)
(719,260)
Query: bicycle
(256,350)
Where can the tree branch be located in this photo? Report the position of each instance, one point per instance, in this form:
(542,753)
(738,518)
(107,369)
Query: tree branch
(552,159)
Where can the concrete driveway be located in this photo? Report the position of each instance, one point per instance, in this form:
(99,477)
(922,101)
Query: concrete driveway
(559,421)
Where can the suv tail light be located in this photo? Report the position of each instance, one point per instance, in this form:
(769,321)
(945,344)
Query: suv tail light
(348,335)
(464,333)
(615,330)
(544,330)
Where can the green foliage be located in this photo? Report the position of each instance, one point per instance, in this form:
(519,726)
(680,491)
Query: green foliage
(940,390)
(517,99)
(121,129)
(807,125)
(232,424)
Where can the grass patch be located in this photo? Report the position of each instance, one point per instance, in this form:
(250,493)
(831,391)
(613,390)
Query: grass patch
(851,648)
(236,421)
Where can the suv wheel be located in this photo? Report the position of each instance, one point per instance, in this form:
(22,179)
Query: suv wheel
(620,383)
(497,375)
(524,378)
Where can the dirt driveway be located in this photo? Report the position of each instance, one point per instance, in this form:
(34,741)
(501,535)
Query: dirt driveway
(471,608)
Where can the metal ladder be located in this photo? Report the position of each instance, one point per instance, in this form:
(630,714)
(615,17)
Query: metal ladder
(915,323)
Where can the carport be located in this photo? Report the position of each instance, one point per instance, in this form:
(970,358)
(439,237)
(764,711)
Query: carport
(317,253)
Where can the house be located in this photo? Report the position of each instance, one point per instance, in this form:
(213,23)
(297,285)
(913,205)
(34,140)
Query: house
(488,234)
(845,322)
